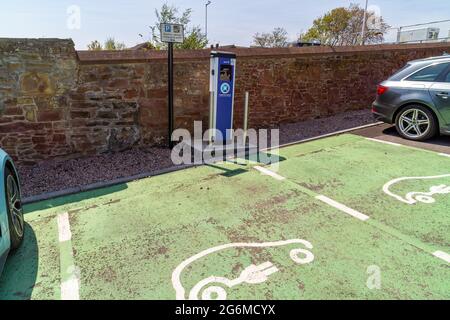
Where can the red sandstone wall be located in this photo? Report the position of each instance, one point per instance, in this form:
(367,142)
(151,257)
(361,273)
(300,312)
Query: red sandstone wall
(35,76)
(57,102)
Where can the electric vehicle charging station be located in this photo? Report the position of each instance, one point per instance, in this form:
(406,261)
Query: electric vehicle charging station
(221,87)
(221,114)
(220,139)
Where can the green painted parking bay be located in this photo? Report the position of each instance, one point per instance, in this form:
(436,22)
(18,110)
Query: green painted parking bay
(402,188)
(229,231)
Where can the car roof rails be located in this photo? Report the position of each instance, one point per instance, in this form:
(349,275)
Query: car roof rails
(444,56)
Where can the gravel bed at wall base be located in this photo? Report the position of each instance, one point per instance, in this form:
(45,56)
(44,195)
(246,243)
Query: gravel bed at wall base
(56,175)
(312,128)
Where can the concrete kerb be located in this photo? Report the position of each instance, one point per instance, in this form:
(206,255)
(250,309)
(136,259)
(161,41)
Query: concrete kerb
(100,185)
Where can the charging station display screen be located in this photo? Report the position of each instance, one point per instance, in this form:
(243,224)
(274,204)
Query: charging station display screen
(226,72)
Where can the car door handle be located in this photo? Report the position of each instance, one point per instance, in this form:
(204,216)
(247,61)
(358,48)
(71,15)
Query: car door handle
(443,95)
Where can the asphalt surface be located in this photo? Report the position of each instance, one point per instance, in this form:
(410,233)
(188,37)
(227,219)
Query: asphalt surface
(387,132)
(334,218)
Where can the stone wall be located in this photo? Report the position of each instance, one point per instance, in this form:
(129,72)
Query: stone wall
(35,76)
(129,101)
(56,102)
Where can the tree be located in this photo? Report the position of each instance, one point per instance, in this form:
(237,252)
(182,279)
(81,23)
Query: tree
(343,26)
(194,38)
(112,44)
(95,46)
(276,38)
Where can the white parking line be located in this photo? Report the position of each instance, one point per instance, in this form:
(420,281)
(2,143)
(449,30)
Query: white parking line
(442,255)
(70,289)
(385,142)
(64,232)
(70,279)
(445,155)
(269,173)
(343,208)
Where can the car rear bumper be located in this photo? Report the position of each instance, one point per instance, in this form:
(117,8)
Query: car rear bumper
(383,112)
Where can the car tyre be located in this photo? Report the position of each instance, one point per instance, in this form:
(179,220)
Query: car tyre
(416,122)
(14,209)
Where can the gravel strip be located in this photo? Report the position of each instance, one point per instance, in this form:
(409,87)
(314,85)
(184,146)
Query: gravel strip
(312,128)
(57,175)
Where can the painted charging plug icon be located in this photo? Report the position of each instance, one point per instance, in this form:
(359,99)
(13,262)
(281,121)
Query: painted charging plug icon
(214,288)
(414,197)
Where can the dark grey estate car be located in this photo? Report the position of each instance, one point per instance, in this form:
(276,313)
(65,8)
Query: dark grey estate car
(417,99)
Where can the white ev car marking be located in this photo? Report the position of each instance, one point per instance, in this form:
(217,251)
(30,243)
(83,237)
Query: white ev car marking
(252,274)
(414,197)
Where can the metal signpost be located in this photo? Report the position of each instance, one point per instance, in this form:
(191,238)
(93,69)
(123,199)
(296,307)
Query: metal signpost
(171,33)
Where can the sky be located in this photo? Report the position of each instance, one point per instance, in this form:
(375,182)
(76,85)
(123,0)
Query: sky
(229,21)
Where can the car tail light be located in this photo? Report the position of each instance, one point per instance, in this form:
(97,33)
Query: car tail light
(381,90)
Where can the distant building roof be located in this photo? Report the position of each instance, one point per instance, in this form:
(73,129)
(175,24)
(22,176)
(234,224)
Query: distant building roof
(300,43)
(142,46)
(231,46)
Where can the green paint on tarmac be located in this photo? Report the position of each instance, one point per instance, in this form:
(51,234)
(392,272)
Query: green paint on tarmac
(127,240)
(353,171)
(33,271)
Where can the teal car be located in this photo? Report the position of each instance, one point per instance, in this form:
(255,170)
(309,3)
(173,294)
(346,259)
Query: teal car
(11,212)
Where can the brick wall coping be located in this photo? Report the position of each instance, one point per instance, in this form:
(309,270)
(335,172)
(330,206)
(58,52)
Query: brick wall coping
(129,56)
(134,56)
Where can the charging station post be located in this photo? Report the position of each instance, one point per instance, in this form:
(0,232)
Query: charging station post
(245,118)
(222,136)
(222,87)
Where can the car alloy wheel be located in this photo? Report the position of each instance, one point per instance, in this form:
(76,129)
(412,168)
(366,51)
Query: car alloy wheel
(14,205)
(414,123)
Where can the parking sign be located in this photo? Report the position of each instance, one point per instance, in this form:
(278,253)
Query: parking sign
(172,32)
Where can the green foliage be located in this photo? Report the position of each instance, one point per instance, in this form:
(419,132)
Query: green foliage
(95,46)
(110,44)
(194,38)
(276,38)
(343,26)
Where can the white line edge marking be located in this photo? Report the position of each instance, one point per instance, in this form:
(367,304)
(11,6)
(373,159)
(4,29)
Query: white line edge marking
(343,208)
(269,173)
(385,142)
(442,255)
(64,232)
(70,288)
(445,155)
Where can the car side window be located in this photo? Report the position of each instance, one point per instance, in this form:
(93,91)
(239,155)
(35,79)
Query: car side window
(447,77)
(429,74)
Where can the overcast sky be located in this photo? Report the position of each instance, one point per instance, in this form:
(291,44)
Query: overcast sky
(230,21)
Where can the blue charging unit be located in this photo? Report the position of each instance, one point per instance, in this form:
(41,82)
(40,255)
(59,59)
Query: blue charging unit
(222,84)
